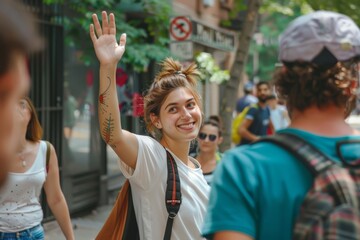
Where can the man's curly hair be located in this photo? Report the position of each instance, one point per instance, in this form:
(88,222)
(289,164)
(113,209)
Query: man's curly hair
(303,85)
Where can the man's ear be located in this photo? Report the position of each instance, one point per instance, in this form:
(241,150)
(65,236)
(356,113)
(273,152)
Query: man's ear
(155,121)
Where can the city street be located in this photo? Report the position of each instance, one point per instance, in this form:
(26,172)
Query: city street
(184,68)
(86,227)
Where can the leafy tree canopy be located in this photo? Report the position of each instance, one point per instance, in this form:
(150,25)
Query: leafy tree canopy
(348,7)
(275,16)
(144,21)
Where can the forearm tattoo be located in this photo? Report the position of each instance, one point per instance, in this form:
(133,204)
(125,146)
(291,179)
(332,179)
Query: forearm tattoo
(108,129)
(103,97)
(108,123)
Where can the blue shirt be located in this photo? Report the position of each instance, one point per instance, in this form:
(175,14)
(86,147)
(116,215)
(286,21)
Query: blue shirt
(258,189)
(245,101)
(260,122)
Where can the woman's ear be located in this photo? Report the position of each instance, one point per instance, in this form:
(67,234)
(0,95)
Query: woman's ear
(155,121)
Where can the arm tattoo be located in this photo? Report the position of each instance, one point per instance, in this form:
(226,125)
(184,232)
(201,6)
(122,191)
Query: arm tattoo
(108,129)
(102,98)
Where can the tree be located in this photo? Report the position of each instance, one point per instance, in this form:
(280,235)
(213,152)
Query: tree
(349,7)
(253,9)
(263,52)
(231,88)
(144,21)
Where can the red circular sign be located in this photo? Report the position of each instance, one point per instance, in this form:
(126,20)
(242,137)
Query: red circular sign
(180,28)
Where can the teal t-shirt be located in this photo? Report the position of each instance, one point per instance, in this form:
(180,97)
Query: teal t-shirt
(258,189)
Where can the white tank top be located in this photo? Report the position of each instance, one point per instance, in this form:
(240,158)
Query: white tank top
(20,206)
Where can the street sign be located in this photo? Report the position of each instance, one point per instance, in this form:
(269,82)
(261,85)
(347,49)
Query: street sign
(215,38)
(180,28)
(182,50)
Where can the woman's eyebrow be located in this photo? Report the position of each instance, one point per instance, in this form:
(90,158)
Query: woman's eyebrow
(175,103)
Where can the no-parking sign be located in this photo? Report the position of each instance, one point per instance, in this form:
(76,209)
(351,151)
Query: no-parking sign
(180,28)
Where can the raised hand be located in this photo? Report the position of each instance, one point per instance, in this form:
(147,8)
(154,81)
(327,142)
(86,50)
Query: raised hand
(107,50)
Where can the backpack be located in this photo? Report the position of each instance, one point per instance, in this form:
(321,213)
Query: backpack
(330,209)
(121,223)
(235,136)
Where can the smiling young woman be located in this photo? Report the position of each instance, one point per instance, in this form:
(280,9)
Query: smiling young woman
(172,114)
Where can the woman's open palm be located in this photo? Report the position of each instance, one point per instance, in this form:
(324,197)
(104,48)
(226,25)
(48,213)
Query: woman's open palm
(106,48)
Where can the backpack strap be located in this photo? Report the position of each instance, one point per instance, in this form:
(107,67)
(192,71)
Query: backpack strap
(310,156)
(316,162)
(172,194)
(48,149)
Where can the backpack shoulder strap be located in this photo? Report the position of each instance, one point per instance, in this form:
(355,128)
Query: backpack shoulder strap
(48,149)
(310,156)
(172,194)
(252,105)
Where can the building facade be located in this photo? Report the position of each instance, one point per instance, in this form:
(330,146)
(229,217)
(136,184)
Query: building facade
(208,35)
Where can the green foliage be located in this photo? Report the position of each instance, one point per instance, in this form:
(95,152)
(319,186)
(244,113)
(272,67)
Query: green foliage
(209,70)
(158,26)
(276,14)
(264,46)
(348,7)
(239,6)
(148,35)
(285,7)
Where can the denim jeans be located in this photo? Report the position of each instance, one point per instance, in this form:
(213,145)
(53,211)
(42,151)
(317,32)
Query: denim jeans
(34,233)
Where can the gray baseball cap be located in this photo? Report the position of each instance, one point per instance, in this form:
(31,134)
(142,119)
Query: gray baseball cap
(309,35)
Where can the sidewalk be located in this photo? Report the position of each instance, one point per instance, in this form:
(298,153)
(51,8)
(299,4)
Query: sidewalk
(88,226)
(85,228)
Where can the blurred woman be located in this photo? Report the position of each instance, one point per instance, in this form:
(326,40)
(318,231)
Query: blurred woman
(20,209)
(209,139)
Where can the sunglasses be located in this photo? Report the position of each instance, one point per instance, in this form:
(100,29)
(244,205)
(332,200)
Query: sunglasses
(203,136)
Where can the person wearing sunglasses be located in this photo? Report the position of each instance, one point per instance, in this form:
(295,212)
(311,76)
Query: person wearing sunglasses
(209,139)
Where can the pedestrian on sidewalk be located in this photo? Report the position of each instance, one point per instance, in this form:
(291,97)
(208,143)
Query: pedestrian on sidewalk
(248,98)
(257,121)
(172,114)
(278,113)
(258,189)
(18,38)
(34,167)
(209,139)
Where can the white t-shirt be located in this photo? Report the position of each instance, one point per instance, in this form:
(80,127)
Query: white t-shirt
(148,184)
(278,118)
(20,207)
